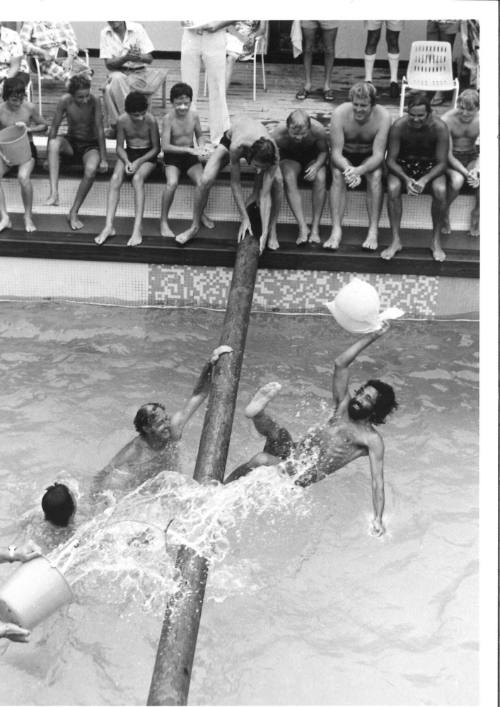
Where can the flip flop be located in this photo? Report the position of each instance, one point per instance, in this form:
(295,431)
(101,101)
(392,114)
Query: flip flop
(329,95)
(302,94)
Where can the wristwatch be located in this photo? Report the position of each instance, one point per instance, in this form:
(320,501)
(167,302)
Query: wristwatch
(12,549)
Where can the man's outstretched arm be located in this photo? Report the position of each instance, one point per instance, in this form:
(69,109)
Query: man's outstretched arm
(344,360)
(376,457)
(198,395)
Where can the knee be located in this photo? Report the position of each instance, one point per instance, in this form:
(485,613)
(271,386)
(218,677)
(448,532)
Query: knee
(89,171)
(54,146)
(172,183)
(137,181)
(439,190)
(374,179)
(394,189)
(24,180)
(320,179)
(456,181)
(260,459)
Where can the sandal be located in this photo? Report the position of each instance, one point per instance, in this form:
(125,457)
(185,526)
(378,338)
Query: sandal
(329,95)
(302,94)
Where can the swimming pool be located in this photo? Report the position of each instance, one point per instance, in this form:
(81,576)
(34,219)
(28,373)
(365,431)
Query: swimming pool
(304,606)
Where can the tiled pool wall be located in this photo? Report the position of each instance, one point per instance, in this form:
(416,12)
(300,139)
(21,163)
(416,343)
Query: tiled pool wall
(290,291)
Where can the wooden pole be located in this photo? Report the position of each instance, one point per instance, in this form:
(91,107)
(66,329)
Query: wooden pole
(176,648)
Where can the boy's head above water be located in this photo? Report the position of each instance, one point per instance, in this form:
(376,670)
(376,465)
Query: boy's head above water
(58,505)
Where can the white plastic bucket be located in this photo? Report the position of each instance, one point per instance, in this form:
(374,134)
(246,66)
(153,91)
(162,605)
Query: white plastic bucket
(15,145)
(357,308)
(32,593)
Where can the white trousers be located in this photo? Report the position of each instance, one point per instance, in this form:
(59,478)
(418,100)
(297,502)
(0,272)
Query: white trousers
(211,47)
(119,84)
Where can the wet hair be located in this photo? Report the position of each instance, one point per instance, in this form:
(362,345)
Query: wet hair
(265,151)
(144,415)
(385,403)
(136,102)
(58,504)
(363,89)
(77,82)
(469,98)
(181,89)
(298,117)
(13,85)
(419,98)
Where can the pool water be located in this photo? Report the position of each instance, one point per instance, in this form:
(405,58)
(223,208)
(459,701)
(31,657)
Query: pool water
(303,606)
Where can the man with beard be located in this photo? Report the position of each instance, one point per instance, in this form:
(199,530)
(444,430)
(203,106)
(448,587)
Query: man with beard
(348,434)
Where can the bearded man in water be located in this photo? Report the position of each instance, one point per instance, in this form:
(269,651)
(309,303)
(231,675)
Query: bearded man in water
(349,433)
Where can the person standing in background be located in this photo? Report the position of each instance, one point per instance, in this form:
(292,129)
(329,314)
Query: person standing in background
(207,41)
(374,28)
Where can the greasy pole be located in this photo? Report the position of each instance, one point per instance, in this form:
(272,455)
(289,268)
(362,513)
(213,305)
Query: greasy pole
(176,648)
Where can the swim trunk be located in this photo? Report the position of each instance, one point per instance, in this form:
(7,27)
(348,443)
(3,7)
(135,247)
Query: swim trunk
(321,24)
(416,167)
(304,158)
(80,148)
(356,158)
(225,141)
(34,155)
(467,157)
(133,153)
(183,162)
(393,25)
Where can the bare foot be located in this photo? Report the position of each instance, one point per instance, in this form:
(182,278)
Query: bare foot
(29,226)
(135,239)
(165,230)
(186,236)
(474,223)
(314,237)
(207,221)
(52,200)
(438,253)
(445,225)
(303,235)
(261,398)
(391,251)
(5,222)
(104,235)
(273,243)
(74,222)
(371,241)
(333,242)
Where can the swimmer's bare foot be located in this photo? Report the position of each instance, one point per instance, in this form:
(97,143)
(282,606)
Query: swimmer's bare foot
(207,221)
(29,226)
(74,222)
(5,222)
(261,398)
(104,235)
(187,236)
(391,251)
(52,200)
(303,235)
(165,230)
(445,225)
(314,237)
(135,239)
(371,241)
(438,253)
(334,241)
(273,243)
(474,223)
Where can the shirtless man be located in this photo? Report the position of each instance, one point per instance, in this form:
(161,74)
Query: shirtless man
(303,147)
(463,157)
(358,138)
(417,158)
(348,434)
(155,448)
(249,139)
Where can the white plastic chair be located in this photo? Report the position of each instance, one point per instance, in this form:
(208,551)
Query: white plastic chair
(260,47)
(36,67)
(430,68)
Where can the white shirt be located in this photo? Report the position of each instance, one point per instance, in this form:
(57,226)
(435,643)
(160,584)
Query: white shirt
(112,46)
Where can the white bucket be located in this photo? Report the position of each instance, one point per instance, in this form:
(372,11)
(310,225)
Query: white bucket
(32,593)
(357,308)
(15,145)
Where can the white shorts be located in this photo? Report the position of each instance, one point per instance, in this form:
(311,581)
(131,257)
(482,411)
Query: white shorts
(393,25)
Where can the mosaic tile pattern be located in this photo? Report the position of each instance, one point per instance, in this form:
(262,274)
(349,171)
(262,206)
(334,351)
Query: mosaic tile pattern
(288,290)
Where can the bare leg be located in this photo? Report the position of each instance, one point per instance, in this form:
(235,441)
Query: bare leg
(90,164)
(318,204)
(54,148)
(139,198)
(290,170)
(5,221)
(23,176)
(195,173)
(337,208)
(374,206)
(308,36)
(113,199)
(395,209)
(474,218)
(172,175)
(329,39)
(455,182)
(276,201)
(438,209)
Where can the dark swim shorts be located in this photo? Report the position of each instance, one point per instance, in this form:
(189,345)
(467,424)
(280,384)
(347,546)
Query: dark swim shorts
(356,158)
(183,162)
(416,167)
(80,148)
(133,153)
(466,158)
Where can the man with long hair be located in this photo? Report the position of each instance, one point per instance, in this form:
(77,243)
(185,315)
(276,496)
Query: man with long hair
(348,434)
